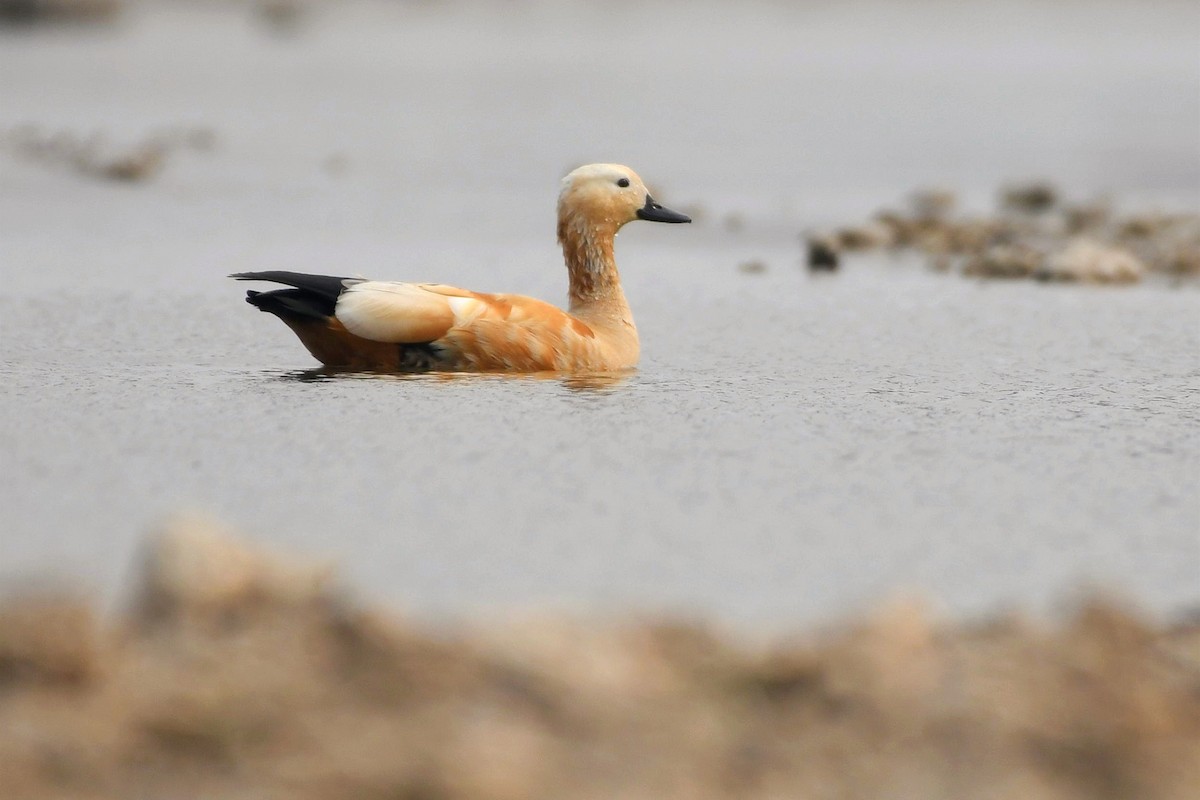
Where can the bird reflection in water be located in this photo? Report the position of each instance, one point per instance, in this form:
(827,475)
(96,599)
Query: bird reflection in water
(575,382)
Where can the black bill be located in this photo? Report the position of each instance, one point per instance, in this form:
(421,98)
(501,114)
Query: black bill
(653,212)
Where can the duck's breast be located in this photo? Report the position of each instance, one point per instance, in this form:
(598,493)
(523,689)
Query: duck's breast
(514,333)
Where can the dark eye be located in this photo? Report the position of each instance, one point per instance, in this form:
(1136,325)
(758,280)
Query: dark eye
(623,183)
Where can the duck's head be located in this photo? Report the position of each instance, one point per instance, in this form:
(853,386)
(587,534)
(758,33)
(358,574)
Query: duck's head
(609,195)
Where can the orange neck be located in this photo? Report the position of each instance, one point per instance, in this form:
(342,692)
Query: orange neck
(591,267)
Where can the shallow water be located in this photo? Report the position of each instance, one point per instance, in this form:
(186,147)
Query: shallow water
(791,446)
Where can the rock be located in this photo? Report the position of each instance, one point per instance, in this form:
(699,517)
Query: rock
(143,162)
(892,656)
(868,236)
(1005,261)
(974,235)
(1165,243)
(822,254)
(94,156)
(1088,261)
(195,567)
(931,204)
(499,758)
(1034,197)
(283,17)
(934,239)
(902,229)
(1179,260)
(1143,226)
(73,11)
(1087,217)
(52,639)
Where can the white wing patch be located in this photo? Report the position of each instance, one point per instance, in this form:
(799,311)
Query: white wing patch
(466,309)
(386,311)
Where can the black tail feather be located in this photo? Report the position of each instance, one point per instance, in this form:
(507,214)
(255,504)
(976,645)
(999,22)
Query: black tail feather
(314,296)
(291,303)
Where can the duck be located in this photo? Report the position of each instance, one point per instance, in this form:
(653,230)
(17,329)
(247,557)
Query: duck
(390,326)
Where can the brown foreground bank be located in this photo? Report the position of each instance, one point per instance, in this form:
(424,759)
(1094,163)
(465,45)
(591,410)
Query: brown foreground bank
(239,675)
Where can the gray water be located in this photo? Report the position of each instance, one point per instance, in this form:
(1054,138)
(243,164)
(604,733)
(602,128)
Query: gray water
(790,447)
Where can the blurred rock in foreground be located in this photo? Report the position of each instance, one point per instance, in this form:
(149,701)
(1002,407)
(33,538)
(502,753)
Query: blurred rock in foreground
(242,675)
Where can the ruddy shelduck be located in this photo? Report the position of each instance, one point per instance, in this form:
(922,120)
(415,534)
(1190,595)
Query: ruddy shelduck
(353,323)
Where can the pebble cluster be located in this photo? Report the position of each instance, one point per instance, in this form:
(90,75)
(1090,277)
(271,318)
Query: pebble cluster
(1033,234)
(96,155)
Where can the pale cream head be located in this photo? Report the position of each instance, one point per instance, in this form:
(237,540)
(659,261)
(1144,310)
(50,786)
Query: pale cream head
(605,194)
(608,196)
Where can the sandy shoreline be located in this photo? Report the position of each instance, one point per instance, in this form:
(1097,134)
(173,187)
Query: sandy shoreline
(239,674)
